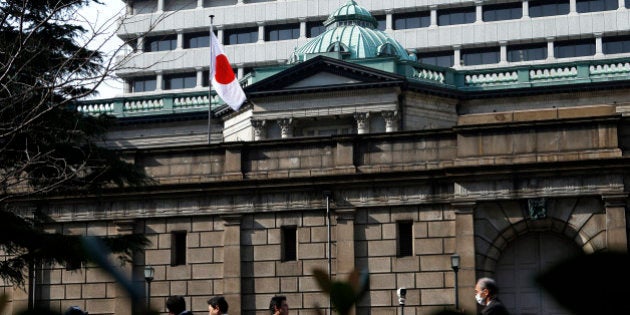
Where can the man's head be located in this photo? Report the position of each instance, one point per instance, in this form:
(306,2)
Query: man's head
(278,305)
(485,290)
(217,306)
(175,304)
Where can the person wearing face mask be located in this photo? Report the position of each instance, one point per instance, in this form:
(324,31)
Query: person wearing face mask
(486,291)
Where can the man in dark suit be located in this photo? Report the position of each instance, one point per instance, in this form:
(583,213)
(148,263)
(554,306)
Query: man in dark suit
(486,292)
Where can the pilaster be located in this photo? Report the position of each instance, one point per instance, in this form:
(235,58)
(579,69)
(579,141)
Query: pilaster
(232,262)
(465,248)
(616,230)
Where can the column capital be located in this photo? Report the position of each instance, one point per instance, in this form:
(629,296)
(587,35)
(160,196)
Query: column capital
(463,207)
(232,219)
(615,200)
(125,226)
(347,214)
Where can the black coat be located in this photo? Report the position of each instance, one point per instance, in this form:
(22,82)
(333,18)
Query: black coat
(495,307)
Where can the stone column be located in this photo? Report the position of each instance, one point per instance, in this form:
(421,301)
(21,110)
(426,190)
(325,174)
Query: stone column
(363,123)
(389,20)
(478,11)
(240,71)
(391,120)
(550,51)
(616,233)
(434,21)
(123,303)
(160,5)
(199,4)
(199,72)
(622,4)
(140,44)
(302,28)
(503,52)
(599,51)
(232,262)
(259,129)
(126,86)
(219,34)
(465,248)
(525,9)
(129,8)
(286,127)
(261,32)
(159,78)
(180,39)
(572,7)
(457,57)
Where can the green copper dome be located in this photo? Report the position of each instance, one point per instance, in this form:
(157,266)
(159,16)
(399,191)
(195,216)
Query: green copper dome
(351,32)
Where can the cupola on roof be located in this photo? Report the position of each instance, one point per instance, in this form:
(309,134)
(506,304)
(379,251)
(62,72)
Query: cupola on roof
(351,32)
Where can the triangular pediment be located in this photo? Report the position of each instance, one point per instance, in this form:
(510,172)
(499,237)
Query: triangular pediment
(322,73)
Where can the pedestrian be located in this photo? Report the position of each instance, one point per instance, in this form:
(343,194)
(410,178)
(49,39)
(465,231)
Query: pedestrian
(176,305)
(74,310)
(486,292)
(217,306)
(278,305)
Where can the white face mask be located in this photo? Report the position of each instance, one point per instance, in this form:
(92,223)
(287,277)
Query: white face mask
(479,299)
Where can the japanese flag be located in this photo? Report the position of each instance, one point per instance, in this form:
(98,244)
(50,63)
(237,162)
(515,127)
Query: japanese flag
(223,79)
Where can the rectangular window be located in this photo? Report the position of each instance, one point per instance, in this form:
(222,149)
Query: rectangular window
(517,53)
(616,44)
(411,20)
(382,22)
(240,36)
(627,4)
(180,81)
(405,239)
(584,6)
(161,43)
(574,48)
(178,248)
(196,40)
(501,12)
(540,8)
(143,84)
(438,58)
(282,32)
(456,16)
(314,28)
(482,56)
(289,243)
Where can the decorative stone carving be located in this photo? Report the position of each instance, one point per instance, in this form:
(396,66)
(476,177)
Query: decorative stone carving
(363,125)
(260,133)
(391,120)
(286,127)
(537,208)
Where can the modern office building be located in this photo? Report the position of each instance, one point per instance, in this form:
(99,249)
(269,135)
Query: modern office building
(383,136)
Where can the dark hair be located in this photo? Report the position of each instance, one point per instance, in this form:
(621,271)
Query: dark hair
(276,302)
(220,302)
(75,310)
(176,304)
(490,285)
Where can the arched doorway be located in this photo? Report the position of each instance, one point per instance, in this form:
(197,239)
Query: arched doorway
(518,265)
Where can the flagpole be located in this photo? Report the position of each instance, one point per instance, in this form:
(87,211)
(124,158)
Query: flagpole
(210,81)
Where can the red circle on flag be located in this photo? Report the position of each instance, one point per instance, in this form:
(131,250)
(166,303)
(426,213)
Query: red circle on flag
(224,73)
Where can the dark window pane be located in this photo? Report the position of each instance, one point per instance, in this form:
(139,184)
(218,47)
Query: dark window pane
(411,20)
(627,4)
(516,53)
(616,44)
(180,81)
(576,48)
(541,8)
(144,84)
(314,28)
(161,43)
(405,239)
(289,243)
(584,6)
(196,40)
(456,16)
(381,20)
(178,248)
(500,12)
(206,78)
(439,58)
(484,56)
(282,32)
(240,36)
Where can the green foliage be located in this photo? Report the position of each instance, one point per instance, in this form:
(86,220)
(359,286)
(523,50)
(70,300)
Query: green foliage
(343,294)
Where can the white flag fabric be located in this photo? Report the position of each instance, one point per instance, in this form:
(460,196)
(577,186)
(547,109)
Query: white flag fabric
(223,79)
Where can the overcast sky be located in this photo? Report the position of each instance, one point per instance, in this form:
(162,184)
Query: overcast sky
(100,16)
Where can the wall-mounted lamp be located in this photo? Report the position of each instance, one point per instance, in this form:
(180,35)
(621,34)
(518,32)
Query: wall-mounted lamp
(148,277)
(455,265)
